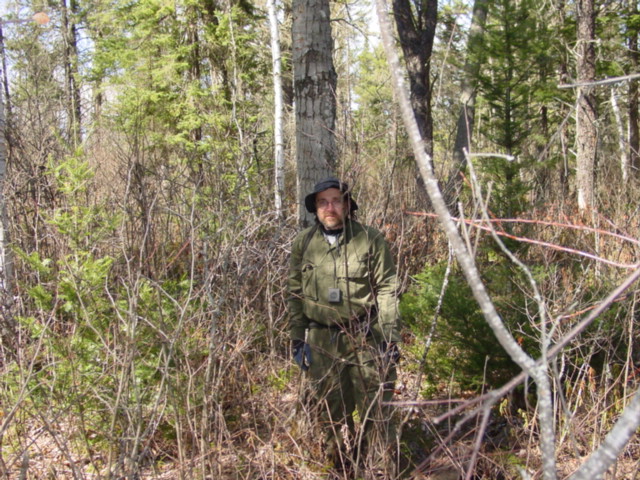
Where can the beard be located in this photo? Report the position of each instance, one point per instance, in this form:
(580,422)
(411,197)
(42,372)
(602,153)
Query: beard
(332,222)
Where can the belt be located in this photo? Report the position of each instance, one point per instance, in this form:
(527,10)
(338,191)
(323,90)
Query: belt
(354,323)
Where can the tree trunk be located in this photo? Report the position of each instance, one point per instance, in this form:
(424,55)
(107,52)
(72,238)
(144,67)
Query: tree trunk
(416,27)
(622,141)
(192,29)
(466,116)
(586,114)
(563,189)
(69,33)
(6,104)
(6,260)
(315,82)
(634,131)
(278,142)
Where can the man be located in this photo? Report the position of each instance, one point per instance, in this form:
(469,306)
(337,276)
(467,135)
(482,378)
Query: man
(344,325)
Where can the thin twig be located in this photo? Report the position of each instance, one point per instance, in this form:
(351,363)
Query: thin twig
(541,242)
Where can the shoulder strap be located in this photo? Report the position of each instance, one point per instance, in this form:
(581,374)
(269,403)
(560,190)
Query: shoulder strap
(308,238)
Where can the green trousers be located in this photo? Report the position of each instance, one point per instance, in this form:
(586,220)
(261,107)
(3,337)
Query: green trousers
(348,374)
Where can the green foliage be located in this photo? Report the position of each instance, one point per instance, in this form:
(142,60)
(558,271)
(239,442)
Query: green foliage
(373,88)
(186,83)
(464,348)
(512,58)
(516,87)
(376,115)
(87,324)
(163,75)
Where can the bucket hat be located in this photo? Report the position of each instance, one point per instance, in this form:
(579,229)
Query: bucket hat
(331,182)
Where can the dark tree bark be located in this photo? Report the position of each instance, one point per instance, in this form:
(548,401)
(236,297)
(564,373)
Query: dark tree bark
(315,82)
(70,52)
(416,26)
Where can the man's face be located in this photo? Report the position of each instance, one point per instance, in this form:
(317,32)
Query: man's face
(331,208)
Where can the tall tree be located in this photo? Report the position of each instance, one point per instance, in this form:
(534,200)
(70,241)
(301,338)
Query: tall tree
(278,108)
(416,22)
(70,59)
(586,108)
(508,81)
(466,116)
(633,27)
(6,264)
(315,83)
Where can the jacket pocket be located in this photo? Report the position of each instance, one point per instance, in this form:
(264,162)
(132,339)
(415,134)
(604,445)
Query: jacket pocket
(357,276)
(309,281)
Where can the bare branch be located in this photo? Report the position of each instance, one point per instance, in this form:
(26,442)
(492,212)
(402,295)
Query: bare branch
(606,81)
(539,242)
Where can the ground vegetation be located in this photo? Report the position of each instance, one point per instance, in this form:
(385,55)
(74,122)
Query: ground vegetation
(143,332)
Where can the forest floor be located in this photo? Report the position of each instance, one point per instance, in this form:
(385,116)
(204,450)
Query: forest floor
(50,460)
(506,453)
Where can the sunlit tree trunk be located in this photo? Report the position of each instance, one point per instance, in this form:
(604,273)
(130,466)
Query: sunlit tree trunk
(466,116)
(314,92)
(278,141)
(6,263)
(6,270)
(622,141)
(6,260)
(586,114)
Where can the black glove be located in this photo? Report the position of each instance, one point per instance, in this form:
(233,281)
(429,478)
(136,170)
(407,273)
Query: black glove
(390,352)
(302,354)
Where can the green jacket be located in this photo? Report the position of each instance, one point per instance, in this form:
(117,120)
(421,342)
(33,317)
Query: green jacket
(359,264)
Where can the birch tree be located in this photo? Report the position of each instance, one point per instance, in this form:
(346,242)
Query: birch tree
(278,141)
(6,273)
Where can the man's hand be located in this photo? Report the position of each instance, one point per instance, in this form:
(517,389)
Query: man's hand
(302,354)
(390,352)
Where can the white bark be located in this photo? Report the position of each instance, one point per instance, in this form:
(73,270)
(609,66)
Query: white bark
(278,108)
(6,265)
(622,140)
